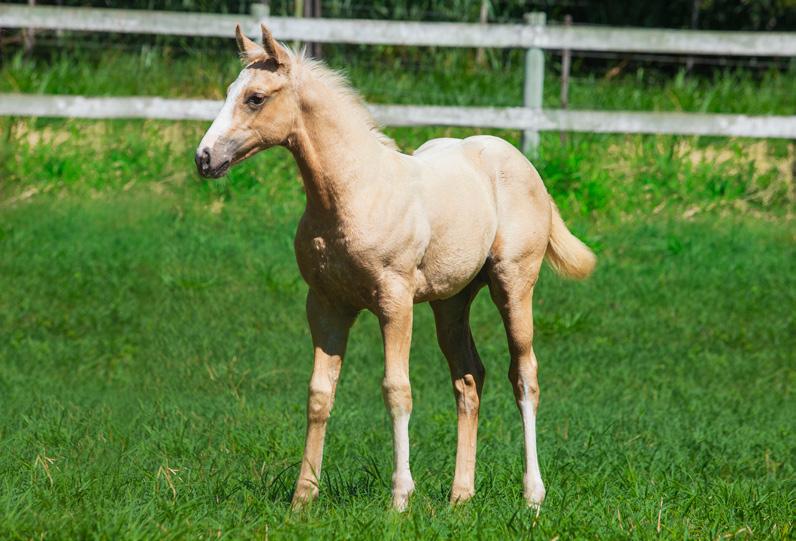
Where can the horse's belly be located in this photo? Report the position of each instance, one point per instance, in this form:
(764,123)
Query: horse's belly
(444,281)
(455,255)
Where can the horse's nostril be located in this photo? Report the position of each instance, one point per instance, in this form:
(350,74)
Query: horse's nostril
(203,160)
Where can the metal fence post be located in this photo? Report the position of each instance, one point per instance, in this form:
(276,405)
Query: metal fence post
(534,85)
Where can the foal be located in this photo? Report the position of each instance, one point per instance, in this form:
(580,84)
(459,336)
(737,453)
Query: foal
(384,230)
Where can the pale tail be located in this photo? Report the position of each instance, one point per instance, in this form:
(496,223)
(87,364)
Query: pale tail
(565,252)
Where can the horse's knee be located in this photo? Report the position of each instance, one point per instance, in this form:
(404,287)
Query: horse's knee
(319,403)
(397,393)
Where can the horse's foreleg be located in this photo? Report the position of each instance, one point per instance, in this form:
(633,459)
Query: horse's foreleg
(396,327)
(467,376)
(329,327)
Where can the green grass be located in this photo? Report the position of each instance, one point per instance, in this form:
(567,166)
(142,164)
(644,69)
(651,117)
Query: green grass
(613,175)
(154,354)
(155,359)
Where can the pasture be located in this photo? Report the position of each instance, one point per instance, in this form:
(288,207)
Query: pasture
(154,353)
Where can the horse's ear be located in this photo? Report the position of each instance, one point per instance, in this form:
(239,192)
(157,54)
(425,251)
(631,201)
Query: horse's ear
(249,50)
(273,48)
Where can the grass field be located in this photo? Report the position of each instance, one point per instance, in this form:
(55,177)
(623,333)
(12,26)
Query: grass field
(154,354)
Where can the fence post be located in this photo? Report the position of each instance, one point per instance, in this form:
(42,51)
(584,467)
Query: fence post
(261,10)
(689,62)
(566,61)
(534,85)
(298,12)
(29,35)
(312,9)
(483,17)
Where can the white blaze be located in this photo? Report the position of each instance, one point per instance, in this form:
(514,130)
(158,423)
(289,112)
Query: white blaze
(223,121)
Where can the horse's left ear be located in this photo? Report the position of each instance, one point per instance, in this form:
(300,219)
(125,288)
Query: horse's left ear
(273,48)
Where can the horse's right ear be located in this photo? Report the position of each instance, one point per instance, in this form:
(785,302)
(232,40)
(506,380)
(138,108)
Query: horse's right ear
(249,50)
(273,48)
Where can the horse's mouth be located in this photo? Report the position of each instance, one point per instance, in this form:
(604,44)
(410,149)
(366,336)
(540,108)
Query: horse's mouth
(219,171)
(223,168)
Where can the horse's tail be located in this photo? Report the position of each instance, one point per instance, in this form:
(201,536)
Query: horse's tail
(565,252)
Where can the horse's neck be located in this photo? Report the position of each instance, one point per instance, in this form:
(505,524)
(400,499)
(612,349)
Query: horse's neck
(335,153)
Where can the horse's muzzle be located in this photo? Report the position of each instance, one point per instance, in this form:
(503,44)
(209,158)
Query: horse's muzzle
(205,167)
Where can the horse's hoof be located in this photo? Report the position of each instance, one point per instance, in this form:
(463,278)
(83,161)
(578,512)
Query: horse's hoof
(400,502)
(304,495)
(535,496)
(461,495)
(401,494)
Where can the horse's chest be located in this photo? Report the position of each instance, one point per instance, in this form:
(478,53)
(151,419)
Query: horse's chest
(328,265)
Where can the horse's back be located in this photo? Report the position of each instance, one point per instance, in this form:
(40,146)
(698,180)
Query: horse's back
(436,144)
(516,194)
(507,171)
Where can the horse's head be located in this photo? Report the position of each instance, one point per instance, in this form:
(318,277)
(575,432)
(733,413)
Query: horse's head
(259,112)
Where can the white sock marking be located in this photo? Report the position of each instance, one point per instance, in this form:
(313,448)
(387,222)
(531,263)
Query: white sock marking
(533,478)
(401,428)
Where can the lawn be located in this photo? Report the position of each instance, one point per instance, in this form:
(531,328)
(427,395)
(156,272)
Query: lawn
(154,354)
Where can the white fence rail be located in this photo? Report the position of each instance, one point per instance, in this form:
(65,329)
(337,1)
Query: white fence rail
(413,115)
(529,118)
(405,33)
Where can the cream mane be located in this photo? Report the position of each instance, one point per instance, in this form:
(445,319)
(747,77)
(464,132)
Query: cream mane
(339,88)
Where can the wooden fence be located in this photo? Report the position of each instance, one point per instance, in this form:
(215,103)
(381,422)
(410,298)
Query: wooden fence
(420,115)
(532,36)
(520,36)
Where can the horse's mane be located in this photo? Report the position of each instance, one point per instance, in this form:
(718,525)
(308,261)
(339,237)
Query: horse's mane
(340,88)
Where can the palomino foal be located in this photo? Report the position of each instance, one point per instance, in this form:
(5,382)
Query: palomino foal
(384,230)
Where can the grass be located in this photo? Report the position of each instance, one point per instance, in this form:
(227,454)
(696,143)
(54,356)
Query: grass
(609,175)
(154,354)
(155,359)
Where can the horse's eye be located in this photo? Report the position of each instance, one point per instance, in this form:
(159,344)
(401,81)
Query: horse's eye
(255,99)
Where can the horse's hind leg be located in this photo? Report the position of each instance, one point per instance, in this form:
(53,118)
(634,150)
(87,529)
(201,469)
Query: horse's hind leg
(467,375)
(511,287)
